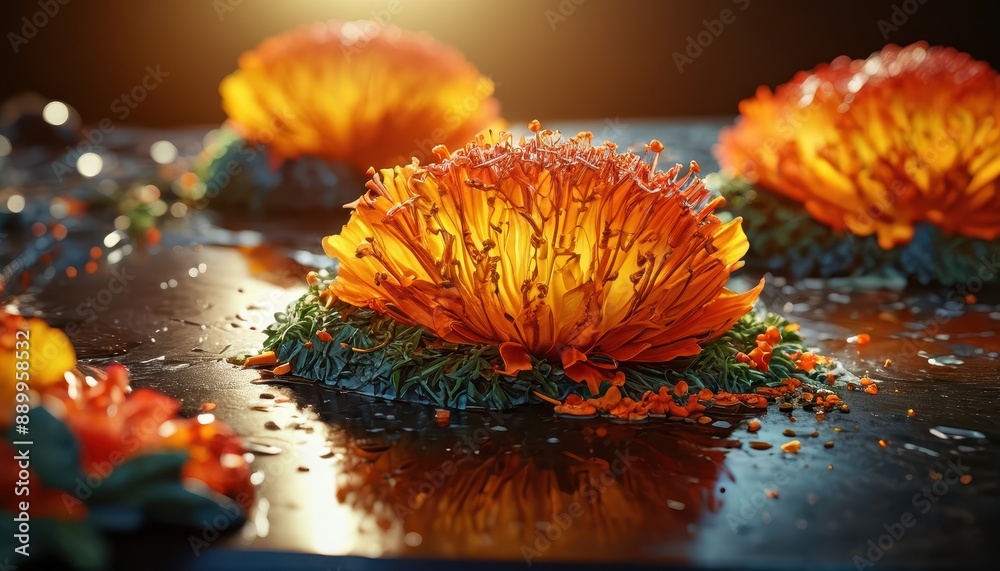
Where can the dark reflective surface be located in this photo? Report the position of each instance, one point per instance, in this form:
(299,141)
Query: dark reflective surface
(341,474)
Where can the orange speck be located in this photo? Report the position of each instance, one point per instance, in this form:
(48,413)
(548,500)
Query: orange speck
(754,425)
(324,336)
(791,447)
(91,267)
(601,431)
(871,389)
(865,381)
(442,416)
(792,327)
(771,493)
(705,395)
(265,358)
(71,272)
(887,363)
(59,231)
(96,252)
(681,388)
(911,413)
(208,406)
(153,236)
(704,420)
(860,339)
(882,443)
(965,479)
(282,369)
(534,126)
(656,146)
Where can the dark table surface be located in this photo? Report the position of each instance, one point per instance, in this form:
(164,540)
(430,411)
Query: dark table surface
(351,482)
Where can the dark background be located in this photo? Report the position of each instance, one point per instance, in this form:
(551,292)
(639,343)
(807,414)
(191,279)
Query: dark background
(551,59)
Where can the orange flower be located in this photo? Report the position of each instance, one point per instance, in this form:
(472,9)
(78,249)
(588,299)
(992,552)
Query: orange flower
(876,146)
(549,249)
(346,92)
(46,353)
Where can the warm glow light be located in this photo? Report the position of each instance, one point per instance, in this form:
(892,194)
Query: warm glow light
(15,203)
(163,152)
(55,113)
(90,164)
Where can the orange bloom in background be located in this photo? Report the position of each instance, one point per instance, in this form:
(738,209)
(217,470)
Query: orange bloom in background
(550,249)
(357,92)
(876,146)
(47,352)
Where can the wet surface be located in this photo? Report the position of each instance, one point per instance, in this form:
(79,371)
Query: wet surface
(344,475)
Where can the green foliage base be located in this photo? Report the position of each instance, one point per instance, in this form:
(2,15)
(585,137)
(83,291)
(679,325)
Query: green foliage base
(374,355)
(785,238)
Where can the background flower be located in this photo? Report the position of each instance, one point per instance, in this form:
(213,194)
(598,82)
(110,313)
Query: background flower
(876,146)
(346,92)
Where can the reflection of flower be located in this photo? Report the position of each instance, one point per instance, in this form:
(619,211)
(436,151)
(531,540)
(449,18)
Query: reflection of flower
(370,98)
(876,146)
(551,250)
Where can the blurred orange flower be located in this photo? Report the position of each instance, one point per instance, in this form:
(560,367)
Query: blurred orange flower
(876,146)
(46,352)
(550,249)
(357,92)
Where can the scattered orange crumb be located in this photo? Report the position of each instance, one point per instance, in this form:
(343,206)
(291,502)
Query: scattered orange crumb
(282,369)
(871,389)
(704,420)
(681,388)
(791,447)
(265,358)
(442,416)
(965,479)
(911,413)
(754,425)
(324,336)
(887,363)
(860,339)
(208,406)
(865,381)
(882,443)
(705,395)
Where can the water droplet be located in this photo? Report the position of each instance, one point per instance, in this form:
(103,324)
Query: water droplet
(950,433)
(945,360)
